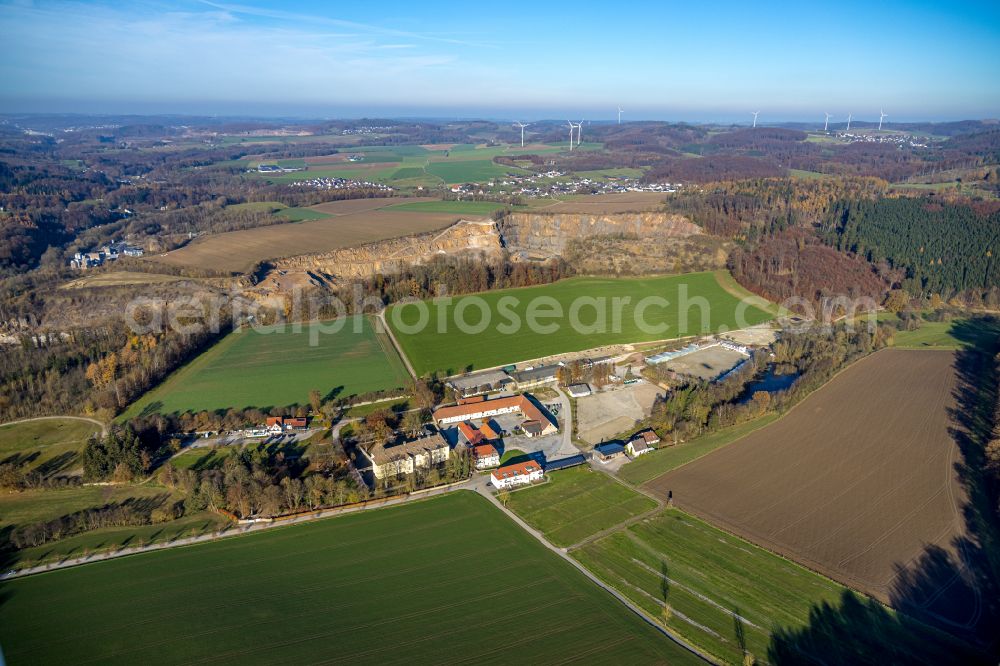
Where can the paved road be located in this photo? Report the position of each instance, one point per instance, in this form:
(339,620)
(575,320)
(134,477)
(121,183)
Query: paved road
(565,417)
(102,426)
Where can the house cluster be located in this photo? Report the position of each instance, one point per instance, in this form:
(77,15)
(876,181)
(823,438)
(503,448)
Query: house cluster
(367,129)
(553,183)
(340,184)
(110,252)
(641,443)
(897,139)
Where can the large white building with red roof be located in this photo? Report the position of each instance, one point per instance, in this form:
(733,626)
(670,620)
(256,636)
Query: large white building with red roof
(518,474)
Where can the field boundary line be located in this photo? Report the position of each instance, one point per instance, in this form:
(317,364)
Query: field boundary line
(625,601)
(395,343)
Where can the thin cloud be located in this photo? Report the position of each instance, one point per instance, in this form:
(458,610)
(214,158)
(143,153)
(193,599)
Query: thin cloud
(281,15)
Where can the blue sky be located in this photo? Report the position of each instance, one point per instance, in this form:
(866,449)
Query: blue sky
(669,60)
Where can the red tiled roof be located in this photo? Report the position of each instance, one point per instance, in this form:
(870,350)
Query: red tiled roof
(488,431)
(519,402)
(484,451)
(470,433)
(517,469)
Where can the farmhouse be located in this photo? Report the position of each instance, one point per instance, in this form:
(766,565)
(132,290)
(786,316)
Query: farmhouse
(278,424)
(518,474)
(405,458)
(605,453)
(637,446)
(485,455)
(541,423)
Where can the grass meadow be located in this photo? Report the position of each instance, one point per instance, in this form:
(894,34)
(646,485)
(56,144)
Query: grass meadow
(441,580)
(493,341)
(48,446)
(716,585)
(577,503)
(277,366)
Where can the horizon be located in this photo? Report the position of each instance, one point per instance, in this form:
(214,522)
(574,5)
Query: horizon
(917,62)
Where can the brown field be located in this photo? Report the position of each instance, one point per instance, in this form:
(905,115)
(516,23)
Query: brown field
(853,482)
(625,202)
(351,206)
(238,251)
(121,278)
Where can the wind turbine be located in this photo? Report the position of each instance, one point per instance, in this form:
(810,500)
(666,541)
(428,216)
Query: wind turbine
(848,123)
(579,133)
(881,116)
(619,115)
(571,128)
(826,124)
(755,117)
(522,126)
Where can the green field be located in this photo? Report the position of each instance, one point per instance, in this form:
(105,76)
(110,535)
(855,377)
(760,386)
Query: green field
(577,503)
(277,366)
(708,577)
(48,446)
(953,334)
(447,348)
(300,214)
(32,506)
(651,465)
(466,171)
(439,581)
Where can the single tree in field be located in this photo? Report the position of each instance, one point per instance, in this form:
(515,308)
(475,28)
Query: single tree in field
(503,497)
(413,421)
(315,401)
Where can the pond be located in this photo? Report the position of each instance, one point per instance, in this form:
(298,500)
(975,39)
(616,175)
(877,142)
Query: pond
(770,381)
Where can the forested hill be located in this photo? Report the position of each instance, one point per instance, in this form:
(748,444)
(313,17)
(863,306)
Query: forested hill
(943,247)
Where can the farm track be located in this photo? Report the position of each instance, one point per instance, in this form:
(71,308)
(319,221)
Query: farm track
(102,426)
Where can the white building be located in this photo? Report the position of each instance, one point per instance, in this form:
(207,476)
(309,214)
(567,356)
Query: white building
(518,474)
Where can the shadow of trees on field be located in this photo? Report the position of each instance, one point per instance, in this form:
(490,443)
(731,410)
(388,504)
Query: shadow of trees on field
(949,599)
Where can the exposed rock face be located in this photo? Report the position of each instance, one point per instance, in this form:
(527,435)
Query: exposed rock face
(546,234)
(525,235)
(479,237)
